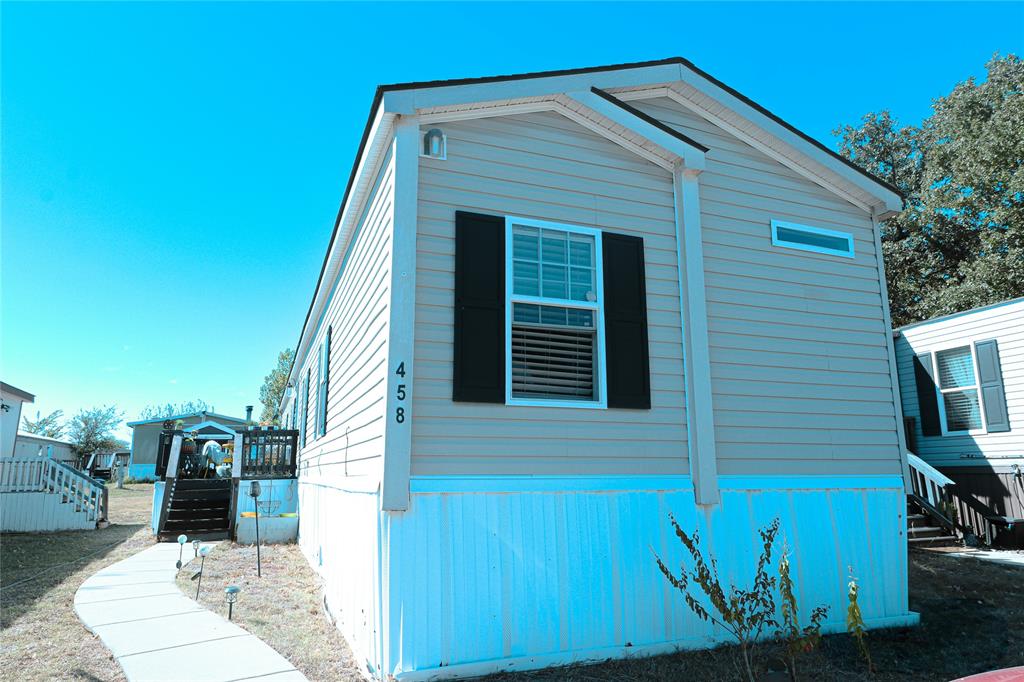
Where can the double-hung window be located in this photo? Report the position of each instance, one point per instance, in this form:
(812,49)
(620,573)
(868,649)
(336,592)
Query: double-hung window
(554,331)
(957,384)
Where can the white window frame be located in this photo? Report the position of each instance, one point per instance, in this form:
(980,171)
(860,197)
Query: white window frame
(776,224)
(601,391)
(939,391)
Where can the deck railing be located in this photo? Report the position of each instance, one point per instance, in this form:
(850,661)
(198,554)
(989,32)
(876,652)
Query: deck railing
(29,475)
(963,511)
(268,453)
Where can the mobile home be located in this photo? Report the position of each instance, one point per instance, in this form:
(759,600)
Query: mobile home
(556,307)
(962,389)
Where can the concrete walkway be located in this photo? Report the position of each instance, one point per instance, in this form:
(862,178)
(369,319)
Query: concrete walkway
(157,633)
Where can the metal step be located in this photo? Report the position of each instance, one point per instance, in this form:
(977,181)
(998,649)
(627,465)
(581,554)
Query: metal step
(934,540)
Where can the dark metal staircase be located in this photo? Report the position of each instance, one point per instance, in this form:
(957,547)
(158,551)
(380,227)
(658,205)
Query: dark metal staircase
(200,508)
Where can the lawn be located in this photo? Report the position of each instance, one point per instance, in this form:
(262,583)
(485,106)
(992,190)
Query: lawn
(284,608)
(972,614)
(42,637)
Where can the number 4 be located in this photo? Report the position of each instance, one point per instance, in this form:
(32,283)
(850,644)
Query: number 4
(401,370)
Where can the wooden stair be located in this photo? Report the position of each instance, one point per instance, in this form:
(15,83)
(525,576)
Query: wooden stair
(925,531)
(199,508)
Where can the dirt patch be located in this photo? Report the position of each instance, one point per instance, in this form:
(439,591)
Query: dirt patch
(284,608)
(42,637)
(972,614)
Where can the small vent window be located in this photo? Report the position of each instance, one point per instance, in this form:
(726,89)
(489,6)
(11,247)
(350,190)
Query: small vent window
(816,239)
(555,328)
(958,385)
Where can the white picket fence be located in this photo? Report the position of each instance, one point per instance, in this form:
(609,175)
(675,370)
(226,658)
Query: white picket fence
(45,494)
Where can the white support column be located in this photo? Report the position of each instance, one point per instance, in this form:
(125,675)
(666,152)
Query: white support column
(398,415)
(700,415)
(172,460)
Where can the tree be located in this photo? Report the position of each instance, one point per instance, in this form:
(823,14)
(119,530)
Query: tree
(174,409)
(92,431)
(959,241)
(48,426)
(272,390)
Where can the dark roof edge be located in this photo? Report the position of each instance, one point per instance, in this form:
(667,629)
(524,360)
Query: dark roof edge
(381,89)
(25,396)
(649,119)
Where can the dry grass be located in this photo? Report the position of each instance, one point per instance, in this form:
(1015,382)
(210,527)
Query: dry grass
(42,637)
(284,608)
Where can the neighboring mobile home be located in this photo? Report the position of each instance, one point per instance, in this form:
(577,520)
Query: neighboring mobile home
(28,445)
(962,388)
(11,400)
(146,437)
(555,308)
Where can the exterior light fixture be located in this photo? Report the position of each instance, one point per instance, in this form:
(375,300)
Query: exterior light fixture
(195,549)
(182,539)
(231,596)
(254,493)
(434,144)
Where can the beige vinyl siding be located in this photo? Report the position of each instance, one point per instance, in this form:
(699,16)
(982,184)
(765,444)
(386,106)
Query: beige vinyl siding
(800,371)
(545,167)
(1003,323)
(357,314)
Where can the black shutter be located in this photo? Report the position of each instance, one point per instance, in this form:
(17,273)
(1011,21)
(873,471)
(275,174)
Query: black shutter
(990,378)
(627,363)
(927,401)
(479,353)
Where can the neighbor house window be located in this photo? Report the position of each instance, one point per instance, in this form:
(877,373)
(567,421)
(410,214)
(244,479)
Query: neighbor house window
(554,326)
(305,409)
(817,239)
(322,384)
(957,383)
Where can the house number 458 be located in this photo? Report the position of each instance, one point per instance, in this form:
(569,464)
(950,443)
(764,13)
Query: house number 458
(400,394)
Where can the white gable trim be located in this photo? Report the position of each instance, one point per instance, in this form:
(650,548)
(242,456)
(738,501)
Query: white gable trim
(220,427)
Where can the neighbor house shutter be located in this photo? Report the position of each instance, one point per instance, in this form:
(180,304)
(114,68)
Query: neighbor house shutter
(479,339)
(627,364)
(990,380)
(326,381)
(927,401)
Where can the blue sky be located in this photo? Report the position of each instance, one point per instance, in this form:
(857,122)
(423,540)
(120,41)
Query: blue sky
(172,171)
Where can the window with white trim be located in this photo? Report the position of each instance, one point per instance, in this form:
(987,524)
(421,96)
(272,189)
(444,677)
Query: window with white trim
(816,239)
(554,326)
(957,384)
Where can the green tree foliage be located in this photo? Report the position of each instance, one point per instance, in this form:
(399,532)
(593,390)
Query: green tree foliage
(48,426)
(959,241)
(92,431)
(174,409)
(273,387)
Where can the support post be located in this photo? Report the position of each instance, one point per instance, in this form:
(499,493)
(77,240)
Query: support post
(398,416)
(700,414)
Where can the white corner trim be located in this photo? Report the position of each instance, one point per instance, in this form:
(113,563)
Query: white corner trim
(700,416)
(890,353)
(401,321)
(690,156)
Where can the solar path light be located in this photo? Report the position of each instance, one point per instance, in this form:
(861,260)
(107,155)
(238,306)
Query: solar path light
(231,596)
(254,493)
(199,575)
(182,539)
(195,549)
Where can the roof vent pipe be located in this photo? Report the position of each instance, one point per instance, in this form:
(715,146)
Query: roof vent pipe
(248,414)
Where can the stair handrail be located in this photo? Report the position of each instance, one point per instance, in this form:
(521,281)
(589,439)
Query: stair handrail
(933,483)
(88,491)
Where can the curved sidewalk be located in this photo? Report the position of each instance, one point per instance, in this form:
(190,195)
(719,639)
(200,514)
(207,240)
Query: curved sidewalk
(157,633)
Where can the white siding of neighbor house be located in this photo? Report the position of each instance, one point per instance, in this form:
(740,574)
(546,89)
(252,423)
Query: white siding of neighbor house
(1005,324)
(543,166)
(357,313)
(799,361)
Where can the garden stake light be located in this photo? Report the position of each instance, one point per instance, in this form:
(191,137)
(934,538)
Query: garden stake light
(202,562)
(254,492)
(182,539)
(195,549)
(230,596)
